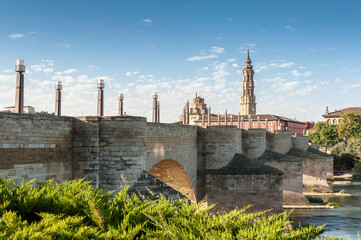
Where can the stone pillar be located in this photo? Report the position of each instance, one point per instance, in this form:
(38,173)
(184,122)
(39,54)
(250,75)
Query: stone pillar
(155,107)
(19,92)
(225,118)
(184,116)
(158,111)
(58,88)
(219,119)
(250,122)
(258,126)
(187,112)
(203,116)
(266,124)
(209,116)
(120,109)
(231,120)
(101,97)
(241,126)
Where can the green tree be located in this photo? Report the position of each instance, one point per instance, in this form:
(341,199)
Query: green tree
(324,135)
(350,126)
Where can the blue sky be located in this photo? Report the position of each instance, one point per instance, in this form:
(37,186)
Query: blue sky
(306,54)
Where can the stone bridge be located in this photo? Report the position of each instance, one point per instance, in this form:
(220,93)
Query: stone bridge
(218,164)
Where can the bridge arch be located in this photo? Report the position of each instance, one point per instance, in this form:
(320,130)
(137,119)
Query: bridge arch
(174,175)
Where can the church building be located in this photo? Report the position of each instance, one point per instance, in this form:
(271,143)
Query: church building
(199,114)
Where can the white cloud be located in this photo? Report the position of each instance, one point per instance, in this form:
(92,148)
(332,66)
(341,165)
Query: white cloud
(289,28)
(93,68)
(306,74)
(196,58)
(296,73)
(235,65)
(287,86)
(218,50)
(338,80)
(7,78)
(286,65)
(147,21)
(69,71)
(16,35)
(48,70)
(45,66)
(228,19)
(128,74)
(8,71)
(325,82)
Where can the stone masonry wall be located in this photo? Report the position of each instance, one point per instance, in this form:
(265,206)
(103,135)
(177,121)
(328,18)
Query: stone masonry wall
(221,143)
(300,142)
(172,142)
(254,142)
(106,149)
(264,191)
(35,146)
(279,141)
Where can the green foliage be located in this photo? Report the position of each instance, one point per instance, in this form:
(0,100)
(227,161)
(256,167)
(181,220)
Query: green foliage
(347,153)
(314,199)
(357,168)
(342,191)
(324,135)
(350,126)
(75,210)
(335,204)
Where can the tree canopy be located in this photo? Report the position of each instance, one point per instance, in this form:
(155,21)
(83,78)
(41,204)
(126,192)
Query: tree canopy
(331,134)
(350,126)
(324,135)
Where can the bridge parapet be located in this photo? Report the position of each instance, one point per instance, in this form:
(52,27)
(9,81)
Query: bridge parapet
(279,141)
(300,142)
(254,142)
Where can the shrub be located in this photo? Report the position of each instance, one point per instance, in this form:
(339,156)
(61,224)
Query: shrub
(314,199)
(335,204)
(342,191)
(357,168)
(75,210)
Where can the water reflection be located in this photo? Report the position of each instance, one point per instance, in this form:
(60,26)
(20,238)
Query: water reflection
(343,221)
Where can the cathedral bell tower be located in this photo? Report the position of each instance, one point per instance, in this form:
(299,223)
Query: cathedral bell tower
(248,99)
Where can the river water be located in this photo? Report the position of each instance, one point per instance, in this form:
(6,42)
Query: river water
(341,222)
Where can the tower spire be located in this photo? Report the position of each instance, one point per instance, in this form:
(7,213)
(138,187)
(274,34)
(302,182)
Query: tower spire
(248,98)
(248,58)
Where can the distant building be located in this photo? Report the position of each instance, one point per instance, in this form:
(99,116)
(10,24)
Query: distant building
(27,109)
(335,117)
(199,114)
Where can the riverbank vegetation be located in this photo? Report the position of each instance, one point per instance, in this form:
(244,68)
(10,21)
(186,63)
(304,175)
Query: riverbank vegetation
(320,201)
(76,210)
(344,138)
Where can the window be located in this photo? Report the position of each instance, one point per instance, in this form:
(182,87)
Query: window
(263,123)
(246,123)
(270,123)
(270,129)
(334,121)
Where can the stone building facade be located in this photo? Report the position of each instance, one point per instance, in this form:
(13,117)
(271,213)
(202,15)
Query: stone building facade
(335,117)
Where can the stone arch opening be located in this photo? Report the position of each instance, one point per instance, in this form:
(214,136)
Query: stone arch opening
(174,175)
